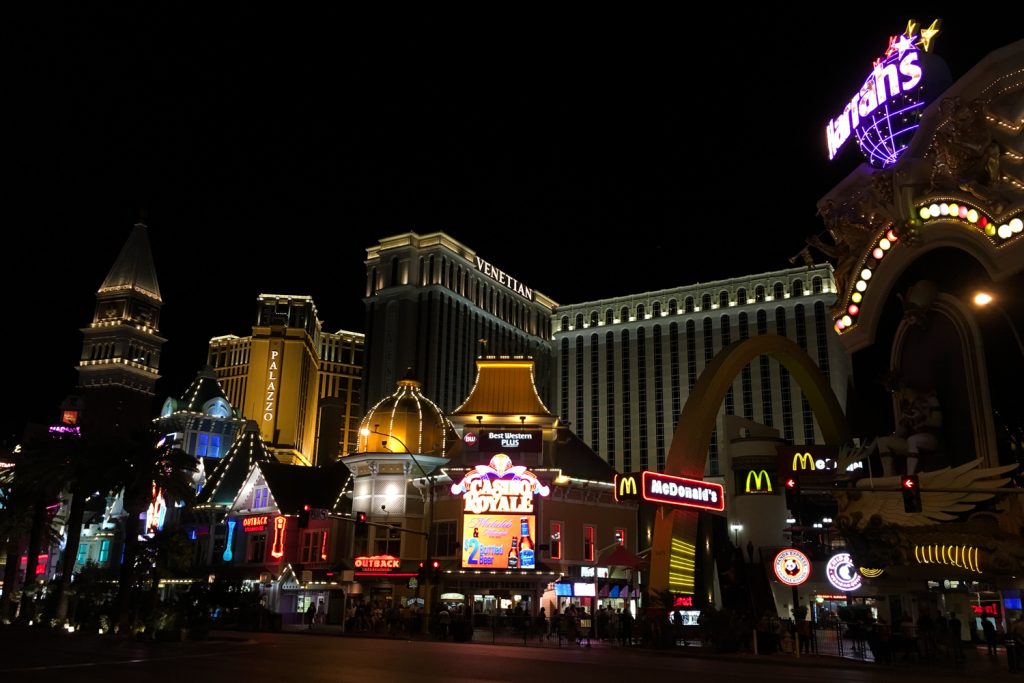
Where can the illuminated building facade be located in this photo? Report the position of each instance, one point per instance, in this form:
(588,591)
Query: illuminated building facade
(430,301)
(202,422)
(625,365)
(299,383)
(118,369)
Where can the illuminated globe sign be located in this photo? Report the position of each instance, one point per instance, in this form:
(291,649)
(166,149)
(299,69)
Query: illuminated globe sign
(886,111)
(842,573)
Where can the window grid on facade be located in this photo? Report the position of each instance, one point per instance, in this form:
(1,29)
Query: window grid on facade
(673,334)
(595,402)
(627,408)
(764,371)
(821,333)
(104,554)
(788,432)
(641,382)
(730,397)
(659,398)
(578,414)
(565,379)
(609,376)
(746,375)
(708,353)
(445,539)
(805,406)
(691,361)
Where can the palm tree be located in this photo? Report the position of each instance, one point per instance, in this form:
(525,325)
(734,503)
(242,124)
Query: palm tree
(143,469)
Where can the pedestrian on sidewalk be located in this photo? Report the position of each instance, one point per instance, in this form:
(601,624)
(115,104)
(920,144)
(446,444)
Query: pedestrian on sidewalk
(541,625)
(310,614)
(990,635)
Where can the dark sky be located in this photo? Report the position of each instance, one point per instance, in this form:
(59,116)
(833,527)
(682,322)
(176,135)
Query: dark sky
(588,156)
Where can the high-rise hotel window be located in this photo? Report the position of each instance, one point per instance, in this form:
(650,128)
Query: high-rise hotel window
(688,305)
(723,299)
(641,312)
(609,317)
(798,288)
(624,315)
(595,402)
(656,309)
(588,543)
(314,546)
(578,414)
(579,321)
(765,372)
(104,551)
(556,541)
(565,323)
(673,307)
(778,291)
(673,345)
(805,405)
(821,333)
(609,388)
(565,378)
(641,382)
(746,380)
(787,397)
(593,318)
(627,408)
(741,296)
(816,285)
(691,363)
(705,302)
(730,397)
(759,294)
(83,553)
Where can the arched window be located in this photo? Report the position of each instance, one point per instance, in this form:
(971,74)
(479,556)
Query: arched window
(688,304)
(656,309)
(778,291)
(565,323)
(797,288)
(759,294)
(723,299)
(741,296)
(640,311)
(609,317)
(705,302)
(394,272)
(579,321)
(593,318)
(624,314)
(816,285)
(673,307)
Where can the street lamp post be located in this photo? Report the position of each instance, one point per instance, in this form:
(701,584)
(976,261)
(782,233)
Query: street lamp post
(986,300)
(736,529)
(428,535)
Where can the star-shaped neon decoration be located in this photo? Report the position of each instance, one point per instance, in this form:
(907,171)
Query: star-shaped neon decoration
(892,46)
(911,28)
(904,43)
(928,34)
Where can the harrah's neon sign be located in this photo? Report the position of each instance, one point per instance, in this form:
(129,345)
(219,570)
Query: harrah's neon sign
(887,109)
(499,487)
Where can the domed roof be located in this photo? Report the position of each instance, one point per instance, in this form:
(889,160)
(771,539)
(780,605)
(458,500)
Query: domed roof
(405,421)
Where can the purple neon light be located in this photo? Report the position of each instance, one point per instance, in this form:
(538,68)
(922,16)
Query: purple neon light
(885,134)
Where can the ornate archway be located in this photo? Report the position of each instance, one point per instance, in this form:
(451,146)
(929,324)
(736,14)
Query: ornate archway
(673,555)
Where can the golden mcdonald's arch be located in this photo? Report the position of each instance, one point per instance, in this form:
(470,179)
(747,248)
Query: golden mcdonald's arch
(803,461)
(626,487)
(675,531)
(761,480)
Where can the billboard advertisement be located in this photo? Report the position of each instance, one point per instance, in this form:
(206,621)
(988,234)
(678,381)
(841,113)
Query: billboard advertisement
(498,541)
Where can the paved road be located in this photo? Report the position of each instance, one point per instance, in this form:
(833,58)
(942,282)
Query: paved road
(273,658)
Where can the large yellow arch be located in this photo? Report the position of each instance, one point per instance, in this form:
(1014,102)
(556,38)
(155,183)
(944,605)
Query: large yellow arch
(673,555)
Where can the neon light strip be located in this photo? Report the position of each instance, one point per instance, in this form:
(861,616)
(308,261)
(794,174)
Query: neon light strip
(228,555)
(277,549)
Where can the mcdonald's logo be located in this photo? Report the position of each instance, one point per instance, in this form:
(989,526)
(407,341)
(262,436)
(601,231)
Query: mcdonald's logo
(626,487)
(758,481)
(806,461)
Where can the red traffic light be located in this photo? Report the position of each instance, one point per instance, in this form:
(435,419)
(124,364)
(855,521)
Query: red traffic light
(791,483)
(437,564)
(306,508)
(361,516)
(909,483)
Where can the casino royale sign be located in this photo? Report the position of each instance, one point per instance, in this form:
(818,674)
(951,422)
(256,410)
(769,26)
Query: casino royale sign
(668,490)
(499,487)
(503,278)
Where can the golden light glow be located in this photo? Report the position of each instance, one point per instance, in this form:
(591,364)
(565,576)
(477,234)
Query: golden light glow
(963,556)
(982,299)
(928,34)
(871,573)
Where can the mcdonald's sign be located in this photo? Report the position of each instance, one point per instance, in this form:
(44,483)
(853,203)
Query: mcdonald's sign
(803,461)
(627,486)
(755,482)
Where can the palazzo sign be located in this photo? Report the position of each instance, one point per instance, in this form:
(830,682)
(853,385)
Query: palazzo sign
(273,379)
(886,111)
(503,278)
(499,486)
(668,490)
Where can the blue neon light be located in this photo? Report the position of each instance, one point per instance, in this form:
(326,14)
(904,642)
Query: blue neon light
(231,535)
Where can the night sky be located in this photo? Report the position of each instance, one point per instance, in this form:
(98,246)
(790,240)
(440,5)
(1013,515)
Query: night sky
(269,151)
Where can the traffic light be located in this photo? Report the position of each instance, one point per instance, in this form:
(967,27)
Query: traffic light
(911,489)
(360,523)
(435,575)
(792,486)
(421,573)
(304,516)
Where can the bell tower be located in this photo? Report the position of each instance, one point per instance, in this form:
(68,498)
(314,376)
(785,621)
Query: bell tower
(120,360)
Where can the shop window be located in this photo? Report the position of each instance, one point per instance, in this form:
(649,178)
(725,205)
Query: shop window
(388,541)
(588,543)
(445,539)
(104,551)
(556,540)
(257,548)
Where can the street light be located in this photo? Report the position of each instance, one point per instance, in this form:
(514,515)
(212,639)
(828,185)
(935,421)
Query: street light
(736,528)
(365,432)
(986,300)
